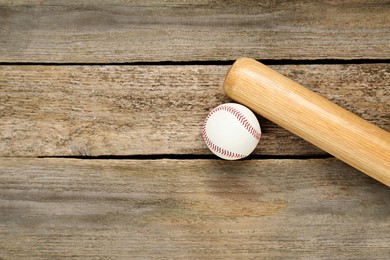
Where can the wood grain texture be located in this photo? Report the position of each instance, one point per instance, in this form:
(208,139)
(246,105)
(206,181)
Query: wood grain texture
(321,122)
(159,30)
(208,209)
(131,110)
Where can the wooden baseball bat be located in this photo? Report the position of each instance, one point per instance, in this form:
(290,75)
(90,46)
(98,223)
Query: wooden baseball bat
(310,116)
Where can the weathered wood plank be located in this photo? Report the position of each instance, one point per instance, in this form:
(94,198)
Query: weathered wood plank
(209,209)
(159,30)
(130,110)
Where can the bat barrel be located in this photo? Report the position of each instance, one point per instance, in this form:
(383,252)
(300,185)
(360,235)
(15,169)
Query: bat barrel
(310,116)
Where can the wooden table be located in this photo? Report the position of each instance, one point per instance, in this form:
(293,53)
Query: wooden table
(101,110)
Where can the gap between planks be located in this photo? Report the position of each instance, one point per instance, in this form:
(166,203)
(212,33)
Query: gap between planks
(206,62)
(185,157)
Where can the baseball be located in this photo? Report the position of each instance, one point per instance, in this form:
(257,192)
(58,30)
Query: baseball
(231,131)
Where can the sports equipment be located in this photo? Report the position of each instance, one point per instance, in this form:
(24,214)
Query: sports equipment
(310,116)
(231,131)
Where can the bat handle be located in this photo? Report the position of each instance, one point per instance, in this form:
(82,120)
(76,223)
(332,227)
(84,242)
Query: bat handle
(310,116)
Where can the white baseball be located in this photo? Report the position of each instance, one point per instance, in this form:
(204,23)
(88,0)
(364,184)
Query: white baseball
(231,131)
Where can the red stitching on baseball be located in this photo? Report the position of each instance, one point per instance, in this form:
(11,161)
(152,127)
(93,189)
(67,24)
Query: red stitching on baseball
(240,118)
(218,149)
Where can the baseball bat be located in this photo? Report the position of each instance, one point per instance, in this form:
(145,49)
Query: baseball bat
(328,126)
